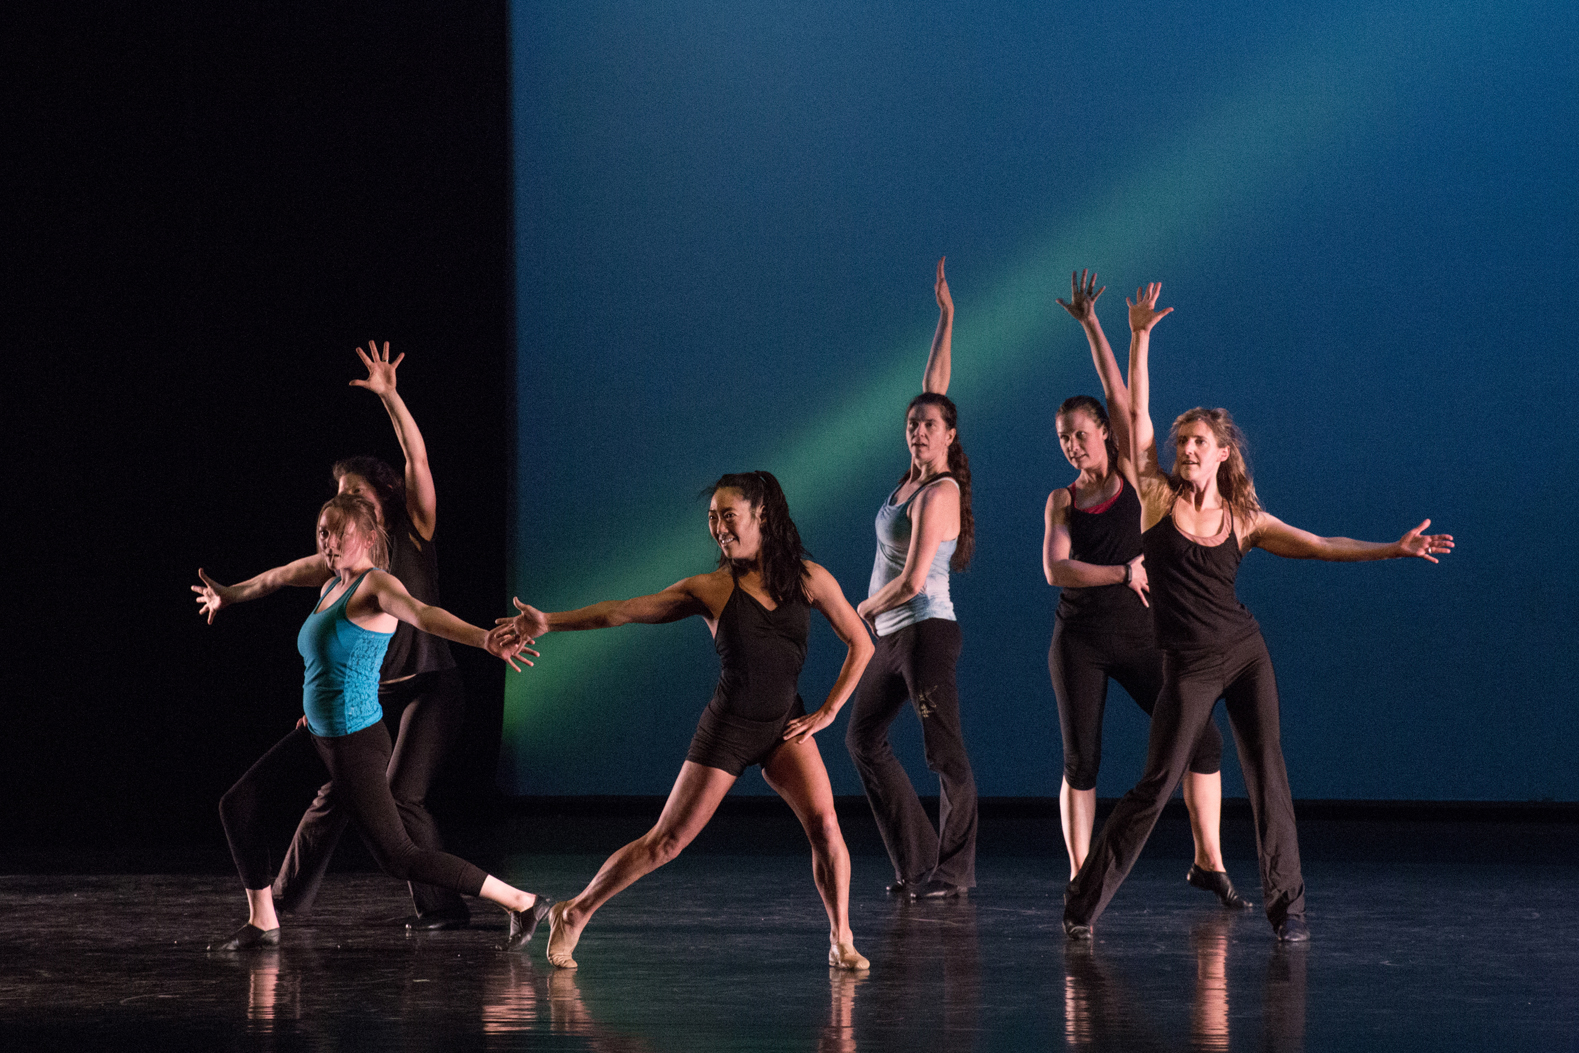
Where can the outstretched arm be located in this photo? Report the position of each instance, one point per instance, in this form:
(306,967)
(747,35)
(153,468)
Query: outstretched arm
(1280,539)
(936,377)
(1143,314)
(825,595)
(680,600)
(1082,306)
(1065,573)
(422,501)
(391,597)
(212,597)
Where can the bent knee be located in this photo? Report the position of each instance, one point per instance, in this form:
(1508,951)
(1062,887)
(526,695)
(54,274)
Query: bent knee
(823,832)
(1080,774)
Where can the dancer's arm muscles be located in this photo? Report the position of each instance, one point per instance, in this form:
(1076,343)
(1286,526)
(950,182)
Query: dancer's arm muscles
(939,360)
(1151,484)
(1063,572)
(389,596)
(680,600)
(1082,306)
(824,593)
(212,597)
(1290,542)
(934,512)
(421,497)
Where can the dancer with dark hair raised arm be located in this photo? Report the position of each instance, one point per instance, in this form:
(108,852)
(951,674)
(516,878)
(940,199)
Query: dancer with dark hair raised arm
(1199,522)
(924,530)
(1091,550)
(419,689)
(757,605)
(342,643)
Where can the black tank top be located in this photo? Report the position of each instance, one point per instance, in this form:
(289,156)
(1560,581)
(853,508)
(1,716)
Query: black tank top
(760,653)
(1192,588)
(413,651)
(1106,535)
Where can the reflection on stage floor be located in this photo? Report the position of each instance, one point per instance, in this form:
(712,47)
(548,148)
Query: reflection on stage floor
(726,952)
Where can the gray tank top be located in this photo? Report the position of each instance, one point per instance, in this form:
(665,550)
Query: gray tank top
(893,545)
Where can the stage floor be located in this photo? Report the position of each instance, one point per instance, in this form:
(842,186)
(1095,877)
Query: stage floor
(724,951)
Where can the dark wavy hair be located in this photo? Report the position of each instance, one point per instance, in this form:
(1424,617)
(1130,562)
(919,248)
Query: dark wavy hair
(351,510)
(783,557)
(1093,406)
(959,468)
(388,484)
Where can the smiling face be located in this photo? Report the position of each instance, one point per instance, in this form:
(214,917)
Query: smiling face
(735,524)
(1084,441)
(928,435)
(357,486)
(1198,454)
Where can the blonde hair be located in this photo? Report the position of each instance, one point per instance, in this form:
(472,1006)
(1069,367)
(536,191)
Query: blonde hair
(349,510)
(1233,475)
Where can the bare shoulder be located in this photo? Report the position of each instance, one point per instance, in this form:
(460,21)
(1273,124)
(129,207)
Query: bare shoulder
(819,582)
(1254,529)
(1058,502)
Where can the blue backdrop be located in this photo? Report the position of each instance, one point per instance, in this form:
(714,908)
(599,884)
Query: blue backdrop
(727,217)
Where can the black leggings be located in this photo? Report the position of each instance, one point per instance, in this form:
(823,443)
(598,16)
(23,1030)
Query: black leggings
(917,663)
(1241,675)
(430,707)
(1081,664)
(356,764)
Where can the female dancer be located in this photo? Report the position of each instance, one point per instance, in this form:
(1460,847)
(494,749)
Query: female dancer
(343,643)
(757,606)
(1199,522)
(1091,550)
(419,687)
(924,530)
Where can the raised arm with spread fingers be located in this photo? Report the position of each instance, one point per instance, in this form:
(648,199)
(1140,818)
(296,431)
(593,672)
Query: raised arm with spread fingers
(421,497)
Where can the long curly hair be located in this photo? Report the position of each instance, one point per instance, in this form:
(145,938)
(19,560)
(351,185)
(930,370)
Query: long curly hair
(388,484)
(1093,406)
(783,556)
(959,468)
(1233,475)
(349,511)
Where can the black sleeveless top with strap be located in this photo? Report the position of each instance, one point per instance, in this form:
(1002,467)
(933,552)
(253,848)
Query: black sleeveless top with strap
(1192,587)
(1107,534)
(760,653)
(413,651)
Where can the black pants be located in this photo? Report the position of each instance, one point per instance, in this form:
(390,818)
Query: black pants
(1241,675)
(1081,664)
(356,764)
(917,663)
(429,708)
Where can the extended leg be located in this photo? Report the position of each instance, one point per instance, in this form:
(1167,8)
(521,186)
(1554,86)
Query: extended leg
(907,832)
(692,802)
(1079,676)
(429,724)
(930,675)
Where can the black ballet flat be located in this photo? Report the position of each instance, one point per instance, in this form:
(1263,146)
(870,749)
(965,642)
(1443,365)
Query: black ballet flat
(900,887)
(523,923)
(247,938)
(1216,882)
(935,889)
(1075,930)
(438,921)
(1292,930)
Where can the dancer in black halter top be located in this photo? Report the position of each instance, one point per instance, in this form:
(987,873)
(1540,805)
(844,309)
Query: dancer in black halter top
(1198,523)
(758,605)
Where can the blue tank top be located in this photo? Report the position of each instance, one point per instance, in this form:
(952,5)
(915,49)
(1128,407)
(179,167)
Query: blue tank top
(893,545)
(340,688)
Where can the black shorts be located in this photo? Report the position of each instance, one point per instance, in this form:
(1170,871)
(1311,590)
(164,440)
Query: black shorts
(733,744)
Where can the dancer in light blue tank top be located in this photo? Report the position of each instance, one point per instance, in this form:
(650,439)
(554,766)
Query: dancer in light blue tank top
(340,689)
(924,530)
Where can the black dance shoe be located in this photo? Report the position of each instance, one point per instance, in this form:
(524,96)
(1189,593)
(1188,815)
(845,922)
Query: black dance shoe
(900,887)
(1292,930)
(438,921)
(1076,930)
(934,889)
(248,937)
(1216,882)
(523,923)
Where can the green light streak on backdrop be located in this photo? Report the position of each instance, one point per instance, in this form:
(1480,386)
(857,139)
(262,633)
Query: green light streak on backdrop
(1177,191)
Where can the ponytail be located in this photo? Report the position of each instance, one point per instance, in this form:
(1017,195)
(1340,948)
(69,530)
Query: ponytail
(959,468)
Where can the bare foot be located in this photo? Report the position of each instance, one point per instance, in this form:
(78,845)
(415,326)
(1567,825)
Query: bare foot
(562,937)
(845,956)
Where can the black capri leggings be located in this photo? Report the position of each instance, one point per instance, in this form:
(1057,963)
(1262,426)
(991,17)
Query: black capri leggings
(357,764)
(1081,665)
